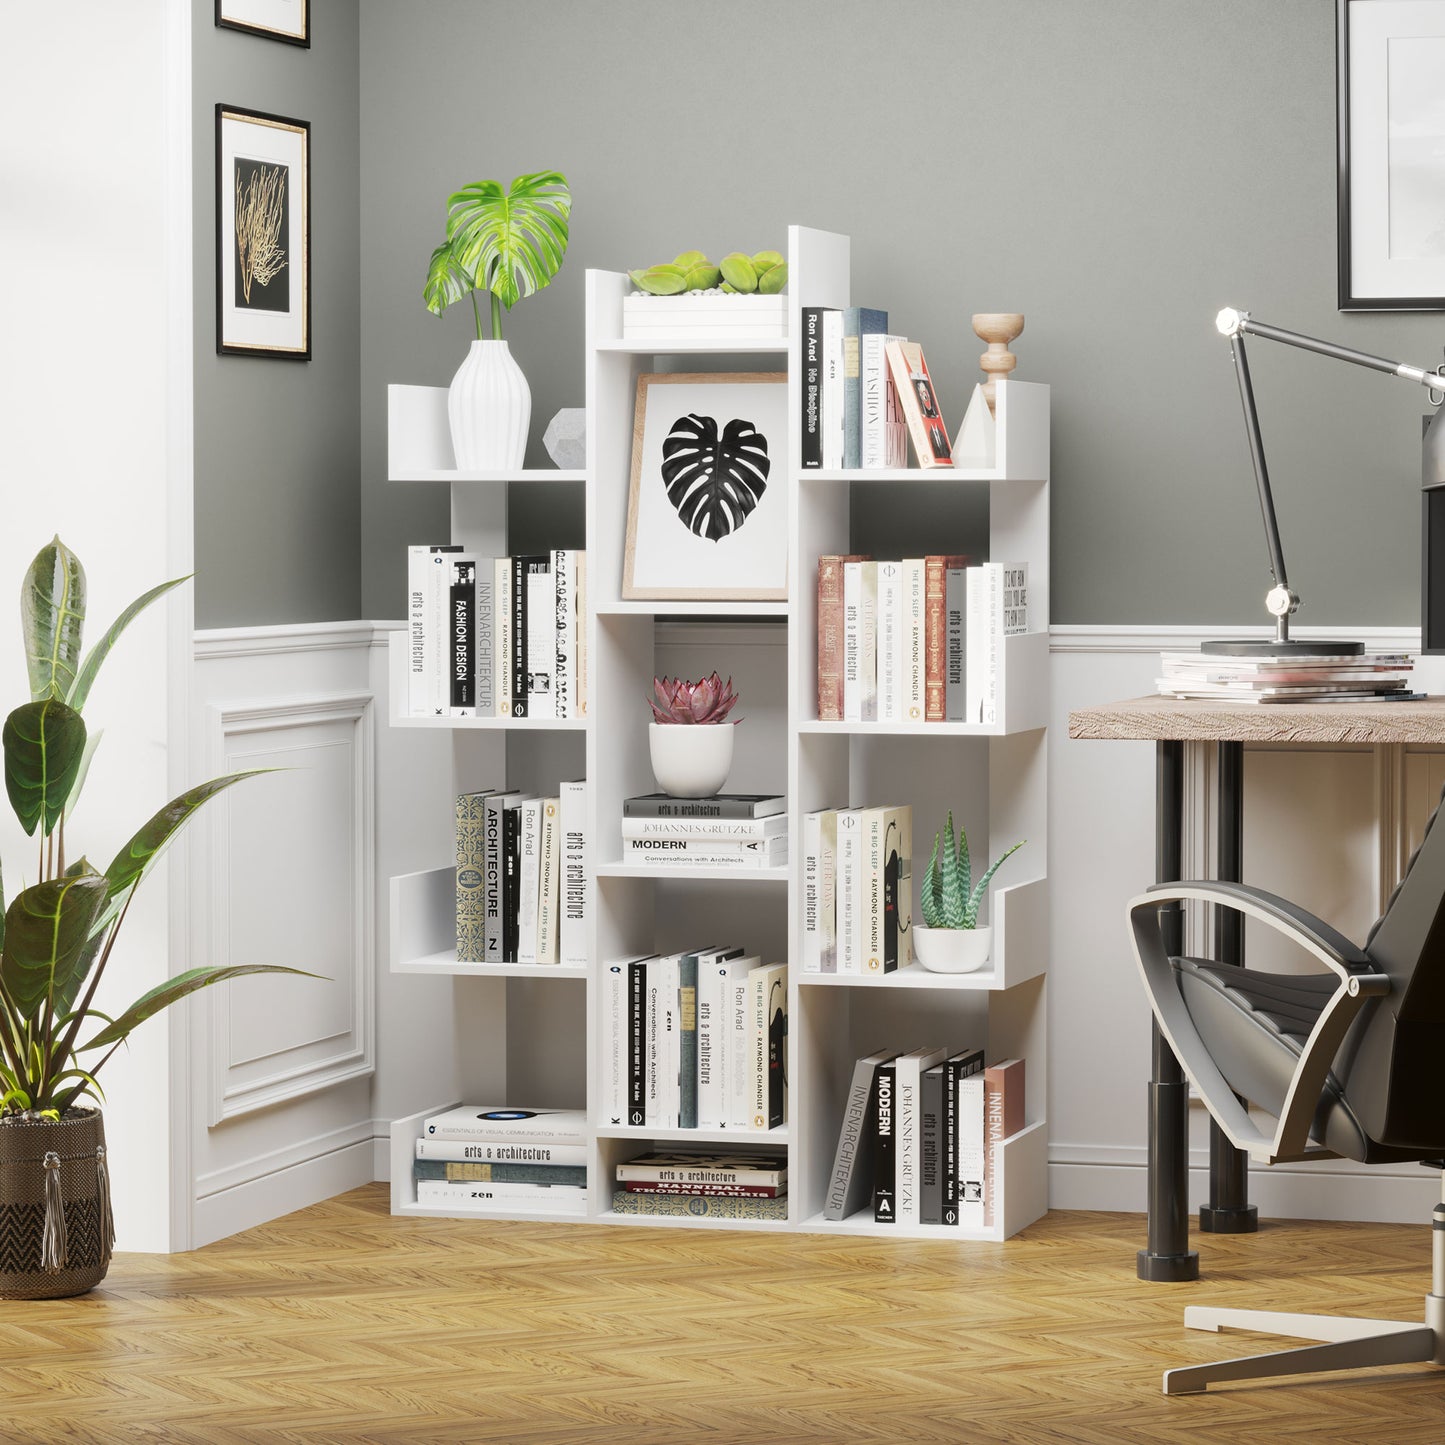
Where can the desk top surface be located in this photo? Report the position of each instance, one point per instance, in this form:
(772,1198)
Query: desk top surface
(1161,719)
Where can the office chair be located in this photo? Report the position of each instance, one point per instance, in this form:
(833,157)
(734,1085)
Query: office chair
(1350,1062)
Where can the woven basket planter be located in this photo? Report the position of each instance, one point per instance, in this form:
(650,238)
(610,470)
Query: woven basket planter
(56,1231)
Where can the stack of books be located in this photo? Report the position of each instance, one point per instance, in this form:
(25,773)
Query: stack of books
(496,636)
(489,1160)
(694,1041)
(1361,678)
(922,1137)
(742,831)
(522,877)
(727,1186)
(916,640)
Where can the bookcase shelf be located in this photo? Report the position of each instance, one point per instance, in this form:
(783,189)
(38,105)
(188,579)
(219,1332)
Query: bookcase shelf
(537,1043)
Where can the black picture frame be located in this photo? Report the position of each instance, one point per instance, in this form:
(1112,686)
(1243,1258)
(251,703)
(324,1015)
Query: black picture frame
(1351,295)
(282,332)
(301,37)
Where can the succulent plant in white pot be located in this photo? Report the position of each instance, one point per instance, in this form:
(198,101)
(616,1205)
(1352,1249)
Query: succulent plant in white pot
(690,738)
(950,939)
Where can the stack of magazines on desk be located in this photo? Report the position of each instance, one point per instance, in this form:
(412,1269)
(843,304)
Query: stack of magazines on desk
(1365,677)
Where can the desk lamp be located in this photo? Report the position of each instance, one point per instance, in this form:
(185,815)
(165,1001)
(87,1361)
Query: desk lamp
(1281,600)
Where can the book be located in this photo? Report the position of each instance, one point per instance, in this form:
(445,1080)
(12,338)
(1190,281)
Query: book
(820,917)
(914,659)
(529,869)
(830,635)
(867,643)
(660,1060)
(699,1206)
(483,1173)
(564,639)
(549,860)
(812,393)
(502,623)
(711,1191)
(919,403)
(517,1198)
(935,634)
(477,1121)
(461,641)
(572,928)
(521,601)
(689,1169)
(428,590)
(897,888)
(501,1151)
(613,1044)
(471,828)
(712,1097)
(877,400)
(687,1041)
(723,805)
(869,881)
(768,987)
(858,321)
(832,382)
(753,852)
(718,830)
(985,642)
(850,1185)
(885,1164)
(580,691)
(954,614)
(738,1057)
(971,1151)
(484,649)
(959,1065)
(850,863)
(494,868)
(908,1129)
(637,997)
(930,1145)
(541,635)
(512,877)
(892,693)
(1003,1116)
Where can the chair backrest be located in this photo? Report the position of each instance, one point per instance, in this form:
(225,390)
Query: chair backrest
(1394,1074)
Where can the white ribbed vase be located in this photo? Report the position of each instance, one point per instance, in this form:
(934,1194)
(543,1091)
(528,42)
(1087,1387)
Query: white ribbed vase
(489,406)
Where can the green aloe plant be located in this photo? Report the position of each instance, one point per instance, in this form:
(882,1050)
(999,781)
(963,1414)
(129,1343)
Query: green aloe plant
(950,897)
(508,243)
(57,935)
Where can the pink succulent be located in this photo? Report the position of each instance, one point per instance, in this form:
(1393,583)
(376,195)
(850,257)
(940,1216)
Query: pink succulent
(677,701)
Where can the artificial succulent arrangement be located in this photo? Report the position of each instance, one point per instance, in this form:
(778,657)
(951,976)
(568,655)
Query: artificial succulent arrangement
(737,273)
(950,898)
(709,700)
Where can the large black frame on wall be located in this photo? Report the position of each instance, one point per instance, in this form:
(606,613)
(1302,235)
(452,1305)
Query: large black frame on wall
(288,20)
(1390,105)
(263,234)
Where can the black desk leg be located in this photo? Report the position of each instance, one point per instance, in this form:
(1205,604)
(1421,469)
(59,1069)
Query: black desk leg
(1229,1210)
(1168,1256)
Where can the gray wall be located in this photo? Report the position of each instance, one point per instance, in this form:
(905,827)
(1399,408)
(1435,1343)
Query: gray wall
(1117,170)
(278,529)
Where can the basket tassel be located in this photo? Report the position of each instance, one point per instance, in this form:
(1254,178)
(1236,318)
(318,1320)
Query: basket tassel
(102,1199)
(53,1253)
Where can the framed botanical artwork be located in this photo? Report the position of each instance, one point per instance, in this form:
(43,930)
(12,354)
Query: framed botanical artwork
(1391,110)
(707,509)
(288,20)
(263,234)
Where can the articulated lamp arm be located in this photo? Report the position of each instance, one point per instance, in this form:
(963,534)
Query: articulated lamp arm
(1281,601)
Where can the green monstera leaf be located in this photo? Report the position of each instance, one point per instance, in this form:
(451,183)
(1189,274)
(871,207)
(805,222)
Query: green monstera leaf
(44,748)
(511,241)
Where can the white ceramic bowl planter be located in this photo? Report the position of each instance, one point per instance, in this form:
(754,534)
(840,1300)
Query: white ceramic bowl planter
(950,940)
(690,739)
(952,950)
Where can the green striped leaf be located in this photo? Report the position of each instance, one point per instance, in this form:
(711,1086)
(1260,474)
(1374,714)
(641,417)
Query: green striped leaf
(98,654)
(48,941)
(44,746)
(52,616)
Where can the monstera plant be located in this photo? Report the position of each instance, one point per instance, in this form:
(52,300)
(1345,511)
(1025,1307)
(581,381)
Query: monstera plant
(57,941)
(714,480)
(509,243)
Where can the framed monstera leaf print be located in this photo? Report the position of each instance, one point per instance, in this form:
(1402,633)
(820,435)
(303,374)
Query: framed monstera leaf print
(707,511)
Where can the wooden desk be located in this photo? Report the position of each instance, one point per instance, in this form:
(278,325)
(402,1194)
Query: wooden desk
(1170,723)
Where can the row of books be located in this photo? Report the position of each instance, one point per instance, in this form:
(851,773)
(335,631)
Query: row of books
(695,1041)
(731,1186)
(916,640)
(858,890)
(922,1137)
(742,831)
(866,393)
(522,876)
(496,636)
(491,1159)
(1363,677)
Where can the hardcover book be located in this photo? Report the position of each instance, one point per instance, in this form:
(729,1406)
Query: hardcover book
(501,1151)
(686,1169)
(769,1001)
(914,657)
(920,405)
(820,918)
(718,830)
(812,402)
(723,805)
(850,862)
(858,321)
(935,633)
(878,402)
(850,1186)
(885,1155)
(467,1197)
(499,1124)
(833,420)
(478,1173)
(471,824)
(897,888)
(503,622)
(549,858)
(960,1065)
(712,1090)
(572,934)
(908,1131)
(529,870)
(892,688)
(541,635)
(461,636)
(484,634)
(830,635)
(429,593)
(1003,1111)
(494,867)
(699,1206)
(955,606)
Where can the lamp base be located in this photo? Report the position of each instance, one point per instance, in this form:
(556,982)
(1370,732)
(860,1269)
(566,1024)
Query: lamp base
(1272,647)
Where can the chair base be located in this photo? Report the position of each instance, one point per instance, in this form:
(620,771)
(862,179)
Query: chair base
(1349,1344)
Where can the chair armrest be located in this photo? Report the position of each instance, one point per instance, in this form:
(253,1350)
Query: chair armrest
(1270,908)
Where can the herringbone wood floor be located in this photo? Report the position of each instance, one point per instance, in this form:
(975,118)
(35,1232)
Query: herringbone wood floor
(340,1325)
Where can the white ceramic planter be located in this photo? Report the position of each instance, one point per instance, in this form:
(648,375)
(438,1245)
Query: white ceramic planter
(952,950)
(690,761)
(489,407)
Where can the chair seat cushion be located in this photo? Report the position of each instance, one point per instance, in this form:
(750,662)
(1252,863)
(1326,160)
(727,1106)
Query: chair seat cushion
(1254,1026)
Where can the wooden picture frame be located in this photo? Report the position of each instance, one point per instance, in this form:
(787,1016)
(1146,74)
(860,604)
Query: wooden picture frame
(1390,93)
(263,234)
(707,506)
(286,20)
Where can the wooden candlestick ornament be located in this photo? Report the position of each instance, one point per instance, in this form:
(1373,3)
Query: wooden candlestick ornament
(998,328)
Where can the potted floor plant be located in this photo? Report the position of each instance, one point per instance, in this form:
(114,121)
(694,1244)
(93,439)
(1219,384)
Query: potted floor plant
(690,740)
(509,244)
(950,938)
(57,937)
